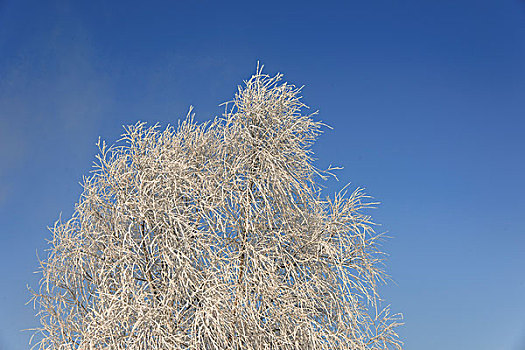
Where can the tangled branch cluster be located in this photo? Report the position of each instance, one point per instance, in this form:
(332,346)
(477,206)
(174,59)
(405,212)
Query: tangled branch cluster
(215,236)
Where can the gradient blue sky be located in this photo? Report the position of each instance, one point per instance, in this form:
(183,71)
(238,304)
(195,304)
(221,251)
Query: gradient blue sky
(426,98)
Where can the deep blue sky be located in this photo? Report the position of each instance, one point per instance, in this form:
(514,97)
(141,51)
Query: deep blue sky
(426,98)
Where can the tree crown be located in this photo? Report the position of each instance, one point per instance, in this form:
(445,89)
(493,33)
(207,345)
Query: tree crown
(216,236)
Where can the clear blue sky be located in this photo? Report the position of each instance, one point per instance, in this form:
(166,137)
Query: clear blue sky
(426,98)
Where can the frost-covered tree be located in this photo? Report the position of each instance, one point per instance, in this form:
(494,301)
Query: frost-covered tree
(215,236)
